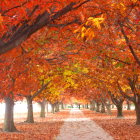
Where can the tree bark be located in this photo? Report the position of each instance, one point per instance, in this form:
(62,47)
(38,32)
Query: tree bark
(71,105)
(86,106)
(107,105)
(119,110)
(53,108)
(65,106)
(79,106)
(47,110)
(97,107)
(62,106)
(131,48)
(9,115)
(135,98)
(136,102)
(108,108)
(118,102)
(42,112)
(112,106)
(26,30)
(102,108)
(128,105)
(57,107)
(30,117)
(137,108)
(92,105)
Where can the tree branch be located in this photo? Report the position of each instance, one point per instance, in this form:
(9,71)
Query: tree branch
(65,24)
(3,13)
(40,90)
(123,94)
(118,60)
(129,45)
(26,30)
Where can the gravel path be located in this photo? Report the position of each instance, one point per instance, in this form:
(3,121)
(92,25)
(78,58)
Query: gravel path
(78,127)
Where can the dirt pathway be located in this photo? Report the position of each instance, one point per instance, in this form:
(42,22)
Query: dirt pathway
(78,127)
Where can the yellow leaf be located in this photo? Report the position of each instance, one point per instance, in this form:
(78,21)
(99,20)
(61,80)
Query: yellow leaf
(85,70)
(83,29)
(82,35)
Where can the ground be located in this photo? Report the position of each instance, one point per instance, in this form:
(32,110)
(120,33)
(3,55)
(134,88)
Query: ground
(77,125)
(120,128)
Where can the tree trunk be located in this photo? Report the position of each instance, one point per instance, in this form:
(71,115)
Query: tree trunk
(62,106)
(108,108)
(118,102)
(47,110)
(137,108)
(79,106)
(112,106)
(87,106)
(92,105)
(42,112)
(9,115)
(128,105)
(65,106)
(102,108)
(71,105)
(30,117)
(57,107)
(53,111)
(119,111)
(97,107)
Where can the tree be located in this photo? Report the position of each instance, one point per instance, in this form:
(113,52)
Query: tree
(118,102)
(19,20)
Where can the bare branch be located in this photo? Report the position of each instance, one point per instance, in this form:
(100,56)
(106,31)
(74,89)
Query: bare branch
(116,59)
(18,6)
